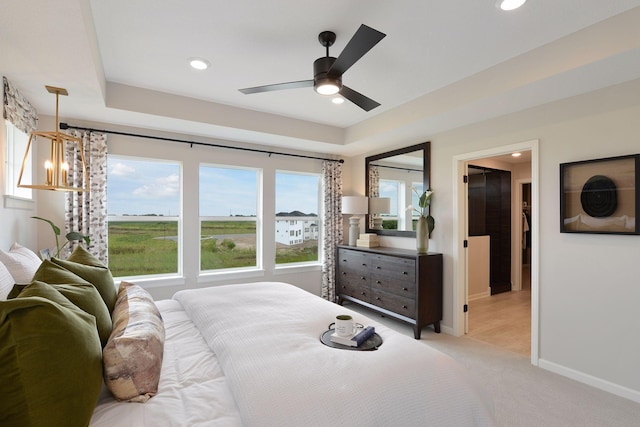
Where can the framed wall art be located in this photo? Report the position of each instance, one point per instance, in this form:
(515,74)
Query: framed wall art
(600,195)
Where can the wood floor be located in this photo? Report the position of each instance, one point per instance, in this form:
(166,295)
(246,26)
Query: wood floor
(504,320)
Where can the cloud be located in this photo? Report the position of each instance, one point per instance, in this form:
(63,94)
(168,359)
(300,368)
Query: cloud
(160,188)
(120,169)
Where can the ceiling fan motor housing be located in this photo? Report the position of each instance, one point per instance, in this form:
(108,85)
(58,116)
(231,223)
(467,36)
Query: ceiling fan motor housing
(321,77)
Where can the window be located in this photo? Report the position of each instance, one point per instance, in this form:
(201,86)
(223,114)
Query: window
(228,217)
(143,203)
(16,143)
(393,190)
(297,208)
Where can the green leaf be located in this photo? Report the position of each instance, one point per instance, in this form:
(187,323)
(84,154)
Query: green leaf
(431,224)
(56,229)
(74,235)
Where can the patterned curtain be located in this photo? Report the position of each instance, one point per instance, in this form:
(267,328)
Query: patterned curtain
(86,212)
(332,229)
(18,110)
(374,186)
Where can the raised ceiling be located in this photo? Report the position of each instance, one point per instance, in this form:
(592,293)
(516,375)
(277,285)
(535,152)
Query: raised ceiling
(443,64)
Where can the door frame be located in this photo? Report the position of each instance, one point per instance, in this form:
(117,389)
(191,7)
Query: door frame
(460,234)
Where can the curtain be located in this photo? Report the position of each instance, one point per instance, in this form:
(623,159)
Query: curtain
(374,186)
(86,212)
(17,109)
(332,229)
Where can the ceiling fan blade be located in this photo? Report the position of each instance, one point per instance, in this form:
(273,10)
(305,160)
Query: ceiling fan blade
(277,86)
(367,104)
(361,42)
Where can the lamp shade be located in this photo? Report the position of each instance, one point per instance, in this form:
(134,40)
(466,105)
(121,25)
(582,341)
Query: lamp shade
(354,205)
(378,205)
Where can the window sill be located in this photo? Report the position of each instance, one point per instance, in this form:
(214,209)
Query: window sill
(152,282)
(13,202)
(297,268)
(209,277)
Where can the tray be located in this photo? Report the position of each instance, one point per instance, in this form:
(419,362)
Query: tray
(372,343)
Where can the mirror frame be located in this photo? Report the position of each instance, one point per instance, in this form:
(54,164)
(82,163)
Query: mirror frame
(426,168)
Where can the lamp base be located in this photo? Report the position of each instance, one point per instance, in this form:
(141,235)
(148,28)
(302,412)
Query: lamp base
(377,223)
(354,230)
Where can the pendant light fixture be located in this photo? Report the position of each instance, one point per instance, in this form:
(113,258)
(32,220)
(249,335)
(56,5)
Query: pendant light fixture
(56,167)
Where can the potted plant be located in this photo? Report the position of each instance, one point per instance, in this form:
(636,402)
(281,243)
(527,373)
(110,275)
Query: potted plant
(71,236)
(426,223)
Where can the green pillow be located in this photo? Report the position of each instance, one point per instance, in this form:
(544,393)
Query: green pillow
(87,266)
(50,360)
(80,292)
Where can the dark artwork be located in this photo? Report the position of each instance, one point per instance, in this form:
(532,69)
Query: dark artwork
(599,196)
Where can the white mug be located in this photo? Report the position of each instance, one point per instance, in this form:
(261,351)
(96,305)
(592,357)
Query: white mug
(345,325)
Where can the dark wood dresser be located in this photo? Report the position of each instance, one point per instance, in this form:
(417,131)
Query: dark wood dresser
(397,283)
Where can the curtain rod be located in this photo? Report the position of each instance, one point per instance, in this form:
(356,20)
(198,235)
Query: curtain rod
(64,126)
(398,168)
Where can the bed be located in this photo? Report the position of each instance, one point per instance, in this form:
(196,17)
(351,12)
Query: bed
(250,355)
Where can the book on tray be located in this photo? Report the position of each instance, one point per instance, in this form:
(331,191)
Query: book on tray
(356,339)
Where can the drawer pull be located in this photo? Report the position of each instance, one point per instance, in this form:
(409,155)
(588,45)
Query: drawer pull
(405,289)
(364,264)
(404,306)
(378,298)
(405,273)
(378,282)
(378,267)
(362,293)
(363,278)
(344,273)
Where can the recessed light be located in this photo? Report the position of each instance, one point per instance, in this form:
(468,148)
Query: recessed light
(199,63)
(509,4)
(516,154)
(337,100)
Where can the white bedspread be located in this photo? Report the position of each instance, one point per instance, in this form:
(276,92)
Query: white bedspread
(192,392)
(266,338)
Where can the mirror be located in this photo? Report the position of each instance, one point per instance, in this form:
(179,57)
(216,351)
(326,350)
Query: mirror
(392,175)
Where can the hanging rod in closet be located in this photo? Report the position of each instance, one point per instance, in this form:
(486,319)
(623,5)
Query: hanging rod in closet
(64,126)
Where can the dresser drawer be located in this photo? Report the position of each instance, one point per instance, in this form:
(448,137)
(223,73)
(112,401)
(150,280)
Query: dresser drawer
(390,284)
(353,261)
(395,303)
(398,268)
(354,290)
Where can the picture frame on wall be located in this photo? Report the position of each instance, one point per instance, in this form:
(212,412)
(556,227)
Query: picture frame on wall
(600,196)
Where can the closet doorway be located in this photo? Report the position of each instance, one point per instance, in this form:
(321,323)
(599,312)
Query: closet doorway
(499,230)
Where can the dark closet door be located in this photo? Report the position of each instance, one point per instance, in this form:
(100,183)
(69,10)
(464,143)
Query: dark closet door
(498,227)
(490,214)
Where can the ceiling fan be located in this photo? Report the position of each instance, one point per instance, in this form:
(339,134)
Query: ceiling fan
(328,71)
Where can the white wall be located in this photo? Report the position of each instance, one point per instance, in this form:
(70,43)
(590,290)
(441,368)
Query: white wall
(589,288)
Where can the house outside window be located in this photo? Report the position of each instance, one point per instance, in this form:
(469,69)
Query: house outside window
(143,206)
(297,217)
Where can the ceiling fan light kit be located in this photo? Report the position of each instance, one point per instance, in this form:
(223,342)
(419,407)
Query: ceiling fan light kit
(328,71)
(509,4)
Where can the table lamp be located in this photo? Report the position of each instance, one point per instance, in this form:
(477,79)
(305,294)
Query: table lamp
(377,206)
(354,205)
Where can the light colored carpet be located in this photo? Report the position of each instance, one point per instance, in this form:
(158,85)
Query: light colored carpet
(524,395)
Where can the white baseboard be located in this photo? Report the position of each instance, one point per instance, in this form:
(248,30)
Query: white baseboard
(484,294)
(596,382)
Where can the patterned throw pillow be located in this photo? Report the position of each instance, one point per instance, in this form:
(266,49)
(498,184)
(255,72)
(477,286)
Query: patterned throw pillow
(133,355)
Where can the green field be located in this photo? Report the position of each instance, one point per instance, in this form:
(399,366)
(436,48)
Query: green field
(149,247)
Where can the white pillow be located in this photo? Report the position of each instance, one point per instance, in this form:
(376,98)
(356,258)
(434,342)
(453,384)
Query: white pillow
(21,262)
(6,282)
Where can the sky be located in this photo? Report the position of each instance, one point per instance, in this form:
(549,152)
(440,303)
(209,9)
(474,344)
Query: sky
(142,187)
